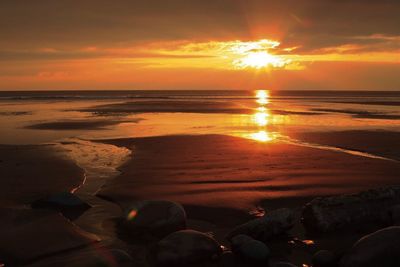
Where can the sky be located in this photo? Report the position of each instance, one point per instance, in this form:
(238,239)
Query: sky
(200,44)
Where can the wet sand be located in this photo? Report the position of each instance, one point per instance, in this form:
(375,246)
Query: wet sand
(222,181)
(234,173)
(170,106)
(32,172)
(380,143)
(79,124)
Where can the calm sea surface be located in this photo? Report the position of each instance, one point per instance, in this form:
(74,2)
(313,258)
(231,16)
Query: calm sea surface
(43,117)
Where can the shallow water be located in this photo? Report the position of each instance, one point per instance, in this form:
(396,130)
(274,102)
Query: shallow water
(42,117)
(100,163)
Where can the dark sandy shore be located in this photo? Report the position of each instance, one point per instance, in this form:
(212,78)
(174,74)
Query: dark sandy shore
(34,171)
(219,180)
(230,172)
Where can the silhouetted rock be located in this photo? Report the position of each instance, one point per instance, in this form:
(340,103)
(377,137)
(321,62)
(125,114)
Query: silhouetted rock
(324,258)
(153,217)
(381,248)
(186,247)
(227,259)
(70,205)
(250,249)
(270,225)
(332,213)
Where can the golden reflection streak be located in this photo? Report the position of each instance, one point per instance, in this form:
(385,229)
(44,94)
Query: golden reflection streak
(262,118)
(262,97)
(262,136)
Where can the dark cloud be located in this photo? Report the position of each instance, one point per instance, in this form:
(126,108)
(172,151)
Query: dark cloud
(313,24)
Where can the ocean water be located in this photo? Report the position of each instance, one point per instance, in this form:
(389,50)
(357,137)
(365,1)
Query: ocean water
(49,116)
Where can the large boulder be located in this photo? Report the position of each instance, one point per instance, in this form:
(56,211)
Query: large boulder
(186,247)
(153,217)
(272,224)
(333,213)
(250,249)
(381,248)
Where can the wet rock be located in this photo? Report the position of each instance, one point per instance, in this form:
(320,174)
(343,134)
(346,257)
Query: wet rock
(27,235)
(227,259)
(337,212)
(381,248)
(324,258)
(70,205)
(270,225)
(250,249)
(153,217)
(186,247)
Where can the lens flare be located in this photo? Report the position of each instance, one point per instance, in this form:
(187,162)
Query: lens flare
(131,215)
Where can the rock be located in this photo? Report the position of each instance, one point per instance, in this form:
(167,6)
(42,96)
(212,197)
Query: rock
(227,259)
(381,248)
(27,235)
(70,205)
(324,258)
(186,247)
(333,213)
(270,225)
(153,217)
(239,240)
(250,249)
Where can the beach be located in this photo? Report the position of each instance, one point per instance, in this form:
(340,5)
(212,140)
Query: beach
(216,157)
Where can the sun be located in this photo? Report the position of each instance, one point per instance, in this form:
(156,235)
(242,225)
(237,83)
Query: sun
(256,55)
(259,60)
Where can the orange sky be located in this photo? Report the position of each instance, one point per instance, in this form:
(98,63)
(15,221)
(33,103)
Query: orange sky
(209,44)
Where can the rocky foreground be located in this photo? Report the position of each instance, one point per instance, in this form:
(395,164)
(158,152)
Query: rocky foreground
(156,234)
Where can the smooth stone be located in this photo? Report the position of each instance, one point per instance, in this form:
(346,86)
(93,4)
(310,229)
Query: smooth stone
(239,240)
(255,251)
(186,247)
(227,259)
(324,258)
(272,224)
(250,249)
(153,217)
(381,248)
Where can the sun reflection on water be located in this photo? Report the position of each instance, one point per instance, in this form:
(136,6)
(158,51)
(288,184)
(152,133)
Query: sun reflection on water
(262,136)
(262,97)
(262,118)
